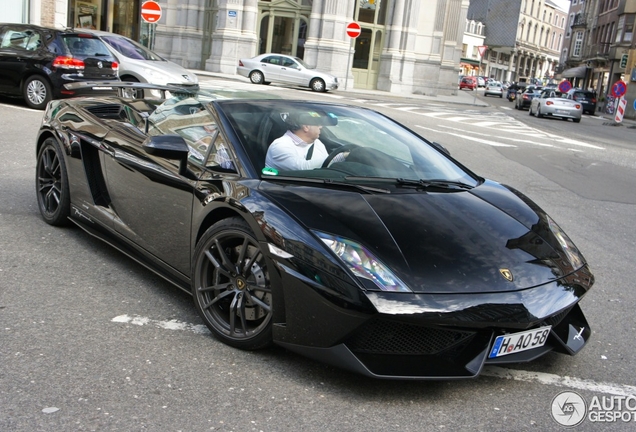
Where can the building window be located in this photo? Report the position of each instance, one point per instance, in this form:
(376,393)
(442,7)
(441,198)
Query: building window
(578,44)
(629,28)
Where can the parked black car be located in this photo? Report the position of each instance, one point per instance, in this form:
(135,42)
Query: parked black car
(584,97)
(36,62)
(524,98)
(397,262)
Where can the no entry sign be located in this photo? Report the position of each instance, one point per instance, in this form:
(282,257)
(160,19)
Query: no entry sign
(353,29)
(151,11)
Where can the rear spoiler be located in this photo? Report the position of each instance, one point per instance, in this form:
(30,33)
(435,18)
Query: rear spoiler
(124,85)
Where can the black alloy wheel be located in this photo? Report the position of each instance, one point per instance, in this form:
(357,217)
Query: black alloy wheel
(51,182)
(231,287)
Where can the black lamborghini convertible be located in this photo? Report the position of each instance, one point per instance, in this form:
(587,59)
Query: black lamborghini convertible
(395,261)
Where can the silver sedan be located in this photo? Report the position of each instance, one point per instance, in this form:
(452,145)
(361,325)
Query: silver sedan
(268,68)
(552,104)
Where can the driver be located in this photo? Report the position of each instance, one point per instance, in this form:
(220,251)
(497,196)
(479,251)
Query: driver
(299,148)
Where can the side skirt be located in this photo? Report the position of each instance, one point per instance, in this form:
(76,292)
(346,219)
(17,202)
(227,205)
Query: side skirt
(134,252)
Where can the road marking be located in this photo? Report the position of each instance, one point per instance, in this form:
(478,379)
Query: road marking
(487,371)
(168,325)
(559,381)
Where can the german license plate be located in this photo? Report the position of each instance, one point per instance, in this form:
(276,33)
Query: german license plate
(516,342)
(561,111)
(102,88)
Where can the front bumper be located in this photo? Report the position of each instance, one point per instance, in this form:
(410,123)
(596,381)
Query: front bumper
(430,336)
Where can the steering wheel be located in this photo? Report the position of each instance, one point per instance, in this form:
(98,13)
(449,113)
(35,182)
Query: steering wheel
(337,151)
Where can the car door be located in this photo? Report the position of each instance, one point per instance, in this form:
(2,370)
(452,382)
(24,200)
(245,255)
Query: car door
(14,57)
(271,67)
(151,199)
(293,73)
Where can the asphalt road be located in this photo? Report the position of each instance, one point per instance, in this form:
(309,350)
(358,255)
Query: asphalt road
(89,340)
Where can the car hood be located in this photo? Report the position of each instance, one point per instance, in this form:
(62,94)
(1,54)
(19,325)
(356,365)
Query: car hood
(157,72)
(438,242)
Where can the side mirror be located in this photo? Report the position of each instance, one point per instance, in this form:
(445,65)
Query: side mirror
(171,147)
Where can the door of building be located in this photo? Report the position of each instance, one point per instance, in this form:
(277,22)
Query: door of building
(283,27)
(371,15)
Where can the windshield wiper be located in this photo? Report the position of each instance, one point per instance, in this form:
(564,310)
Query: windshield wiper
(421,183)
(434,183)
(330,182)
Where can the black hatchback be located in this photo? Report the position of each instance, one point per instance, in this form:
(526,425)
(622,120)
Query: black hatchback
(36,62)
(585,98)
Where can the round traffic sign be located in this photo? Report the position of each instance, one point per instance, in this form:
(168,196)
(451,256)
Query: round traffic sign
(565,86)
(353,29)
(151,11)
(619,89)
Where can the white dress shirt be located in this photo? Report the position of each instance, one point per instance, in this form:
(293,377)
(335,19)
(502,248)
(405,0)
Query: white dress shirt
(289,152)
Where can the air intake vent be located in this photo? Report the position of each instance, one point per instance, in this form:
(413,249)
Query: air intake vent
(388,337)
(110,111)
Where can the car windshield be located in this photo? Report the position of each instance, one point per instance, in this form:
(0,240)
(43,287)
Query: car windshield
(130,48)
(376,147)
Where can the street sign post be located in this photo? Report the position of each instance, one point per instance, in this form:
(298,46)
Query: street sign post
(620,110)
(353,31)
(565,86)
(151,11)
(619,89)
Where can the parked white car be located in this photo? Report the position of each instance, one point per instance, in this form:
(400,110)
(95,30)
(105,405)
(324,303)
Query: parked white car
(268,68)
(139,64)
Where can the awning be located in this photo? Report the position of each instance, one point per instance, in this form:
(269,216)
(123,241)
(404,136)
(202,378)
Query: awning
(576,72)
(468,61)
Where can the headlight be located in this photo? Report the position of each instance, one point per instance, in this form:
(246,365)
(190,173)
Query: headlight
(362,263)
(572,252)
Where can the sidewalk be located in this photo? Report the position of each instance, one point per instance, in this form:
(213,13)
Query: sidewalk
(462,97)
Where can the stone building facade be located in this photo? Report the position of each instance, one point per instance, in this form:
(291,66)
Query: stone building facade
(406,46)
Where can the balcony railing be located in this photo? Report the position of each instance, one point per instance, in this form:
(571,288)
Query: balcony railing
(600,50)
(580,20)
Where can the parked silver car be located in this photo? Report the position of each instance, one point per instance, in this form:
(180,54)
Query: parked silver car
(494,88)
(552,103)
(139,64)
(268,68)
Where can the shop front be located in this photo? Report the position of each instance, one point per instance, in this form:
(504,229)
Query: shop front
(116,16)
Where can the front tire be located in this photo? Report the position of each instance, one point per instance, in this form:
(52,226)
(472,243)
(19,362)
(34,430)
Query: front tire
(231,287)
(51,182)
(257,77)
(133,93)
(318,85)
(37,92)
